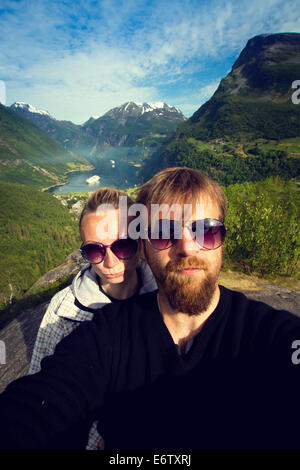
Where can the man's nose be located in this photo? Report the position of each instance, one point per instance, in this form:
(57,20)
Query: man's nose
(186,245)
(110,260)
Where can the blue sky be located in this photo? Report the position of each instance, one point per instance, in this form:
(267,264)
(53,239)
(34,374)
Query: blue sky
(80,58)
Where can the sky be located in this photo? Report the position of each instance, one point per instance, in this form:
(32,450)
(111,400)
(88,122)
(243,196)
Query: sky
(81,58)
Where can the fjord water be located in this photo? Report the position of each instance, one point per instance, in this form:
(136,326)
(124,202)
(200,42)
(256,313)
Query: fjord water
(122,176)
(77,183)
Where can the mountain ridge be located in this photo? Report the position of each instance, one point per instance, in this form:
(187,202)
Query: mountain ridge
(107,130)
(128,124)
(28,155)
(23,107)
(68,134)
(135,109)
(127,134)
(264,71)
(249,128)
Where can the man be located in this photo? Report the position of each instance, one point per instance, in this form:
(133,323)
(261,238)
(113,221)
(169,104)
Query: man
(192,366)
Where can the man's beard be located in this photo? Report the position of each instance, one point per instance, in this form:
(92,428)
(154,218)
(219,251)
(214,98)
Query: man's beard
(190,294)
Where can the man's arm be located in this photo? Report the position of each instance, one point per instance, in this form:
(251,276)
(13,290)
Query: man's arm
(69,387)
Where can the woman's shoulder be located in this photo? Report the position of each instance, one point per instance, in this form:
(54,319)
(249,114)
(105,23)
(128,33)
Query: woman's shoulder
(60,298)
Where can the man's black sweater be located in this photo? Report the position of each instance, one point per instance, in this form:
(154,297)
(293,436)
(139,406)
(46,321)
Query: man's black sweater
(237,387)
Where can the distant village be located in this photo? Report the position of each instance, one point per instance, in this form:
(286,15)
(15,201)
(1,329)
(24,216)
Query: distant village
(73,201)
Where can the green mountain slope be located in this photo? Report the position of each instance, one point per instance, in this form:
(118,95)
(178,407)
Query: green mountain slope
(36,234)
(30,156)
(72,137)
(249,129)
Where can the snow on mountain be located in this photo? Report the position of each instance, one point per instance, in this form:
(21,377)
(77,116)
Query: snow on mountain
(131,108)
(150,106)
(30,108)
(136,109)
(156,105)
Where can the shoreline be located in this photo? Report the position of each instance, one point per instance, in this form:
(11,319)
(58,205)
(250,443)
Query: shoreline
(67,182)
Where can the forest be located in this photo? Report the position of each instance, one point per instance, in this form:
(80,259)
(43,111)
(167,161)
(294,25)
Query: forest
(228,163)
(36,234)
(263,235)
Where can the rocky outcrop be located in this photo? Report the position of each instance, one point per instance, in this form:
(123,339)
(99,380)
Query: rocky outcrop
(65,272)
(19,334)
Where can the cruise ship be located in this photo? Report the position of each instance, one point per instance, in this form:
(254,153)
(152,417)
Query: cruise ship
(93,179)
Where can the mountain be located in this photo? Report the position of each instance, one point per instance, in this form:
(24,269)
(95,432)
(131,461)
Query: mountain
(90,120)
(156,110)
(250,127)
(130,124)
(135,124)
(28,155)
(128,135)
(258,91)
(71,136)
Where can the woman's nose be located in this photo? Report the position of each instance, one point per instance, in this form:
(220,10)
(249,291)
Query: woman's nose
(110,260)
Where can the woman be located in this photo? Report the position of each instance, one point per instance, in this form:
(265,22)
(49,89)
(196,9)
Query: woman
(115,273)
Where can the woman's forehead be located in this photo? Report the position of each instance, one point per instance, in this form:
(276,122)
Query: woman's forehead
(102,227)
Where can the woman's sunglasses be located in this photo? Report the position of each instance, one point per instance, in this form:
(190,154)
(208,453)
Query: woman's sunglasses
(208,233)
(94,253)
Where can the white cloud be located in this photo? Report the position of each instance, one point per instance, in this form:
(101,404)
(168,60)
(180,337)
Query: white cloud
(190,103)
(82,58)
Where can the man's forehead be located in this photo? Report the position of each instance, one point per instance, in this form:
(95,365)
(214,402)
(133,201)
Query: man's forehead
(200,208)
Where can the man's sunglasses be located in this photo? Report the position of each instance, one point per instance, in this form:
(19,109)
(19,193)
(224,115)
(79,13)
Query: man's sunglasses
(94,253)
(208,233)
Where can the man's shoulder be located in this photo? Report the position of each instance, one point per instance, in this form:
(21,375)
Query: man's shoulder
(244,303)
(258,319)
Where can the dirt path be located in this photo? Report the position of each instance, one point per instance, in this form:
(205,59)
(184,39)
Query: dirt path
(19,335)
